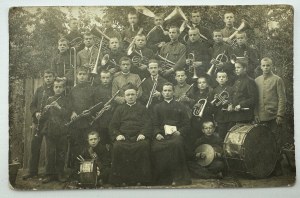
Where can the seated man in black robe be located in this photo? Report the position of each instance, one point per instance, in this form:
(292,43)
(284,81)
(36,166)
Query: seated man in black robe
(171,124)
(130,133)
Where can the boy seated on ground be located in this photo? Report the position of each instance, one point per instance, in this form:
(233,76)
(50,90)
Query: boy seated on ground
(200,166)
(98,152)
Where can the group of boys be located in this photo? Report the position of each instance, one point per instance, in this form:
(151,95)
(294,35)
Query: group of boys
(149,129)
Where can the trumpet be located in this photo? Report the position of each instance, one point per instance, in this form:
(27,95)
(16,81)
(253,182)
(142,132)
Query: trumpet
(165,63)
(151,94)
(192,67)
(220,59)
(106,59)
(221,98)
(199,107)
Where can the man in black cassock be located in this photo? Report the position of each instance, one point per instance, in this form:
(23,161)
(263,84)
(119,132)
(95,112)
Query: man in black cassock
(171,124)
(130,132)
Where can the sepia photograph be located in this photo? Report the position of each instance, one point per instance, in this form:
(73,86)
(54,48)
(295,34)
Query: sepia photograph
(151,97)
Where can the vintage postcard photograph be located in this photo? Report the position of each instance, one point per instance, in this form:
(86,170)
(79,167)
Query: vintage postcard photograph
(118,97)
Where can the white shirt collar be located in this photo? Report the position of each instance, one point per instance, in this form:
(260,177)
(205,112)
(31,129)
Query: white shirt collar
(168,101)
(130,104)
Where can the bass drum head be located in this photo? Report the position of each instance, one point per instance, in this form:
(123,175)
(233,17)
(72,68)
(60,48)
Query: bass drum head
(260,151)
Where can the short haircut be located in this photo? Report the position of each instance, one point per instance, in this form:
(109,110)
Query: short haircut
(129,86)
(208,121)
(88,34)
(217,30)
(168,84)
(81,69)
(104,72)
(124,58)
(180,69)
(203,77)
(243,62)
(132,13)
(159,15)
(195,11)
(222,72)
(195,29)
(113,37)
(241,32)
(60,80)
(93,132)
(153,61)
(267,59)
(228,12)
(49,71)
(63,40)
(175,27)
(140,35)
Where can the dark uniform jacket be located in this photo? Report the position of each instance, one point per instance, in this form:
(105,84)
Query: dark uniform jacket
(62,64)
(86,58)
(114,58)
(155,37)
(174,51)
(203,30)
(128,35)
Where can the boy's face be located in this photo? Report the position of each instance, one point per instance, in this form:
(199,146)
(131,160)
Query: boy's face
(196,18)
(158,20)
(58,88)
(130,96)
(63,46)
(218,38)
(173,34)
(153,69)
(88,41)
(132,19)
(73,25)
(167,92)
(106,23)
(114,44)
(82,76)
(221,78)
(194,35)
(48,78)
(125,66)
(266,66)
(239,69)
(202,84)
(229,19)
(140,41)
(93,140)
(241,39)
(208,128)
(180,77)
(105,78)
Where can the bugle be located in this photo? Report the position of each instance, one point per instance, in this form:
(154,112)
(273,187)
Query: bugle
(100,113)
(219,59)
(199,107)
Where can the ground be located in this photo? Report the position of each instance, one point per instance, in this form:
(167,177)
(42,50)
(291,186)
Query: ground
(287,179)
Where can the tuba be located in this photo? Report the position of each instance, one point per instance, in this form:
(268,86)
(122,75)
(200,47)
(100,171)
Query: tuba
(199,109)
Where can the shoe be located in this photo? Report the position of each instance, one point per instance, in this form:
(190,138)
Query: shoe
(138,184)
(29,176)
(61,178)
(48,179)
(174,183)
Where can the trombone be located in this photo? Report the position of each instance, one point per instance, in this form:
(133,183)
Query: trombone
(151,94)
(220,59)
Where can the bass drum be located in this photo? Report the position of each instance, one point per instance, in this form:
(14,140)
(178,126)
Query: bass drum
(250,149)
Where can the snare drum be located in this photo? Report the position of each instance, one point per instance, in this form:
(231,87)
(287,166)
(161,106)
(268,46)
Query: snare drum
(88,173)
(250,149)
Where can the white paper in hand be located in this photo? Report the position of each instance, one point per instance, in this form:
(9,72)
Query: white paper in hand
(169,129)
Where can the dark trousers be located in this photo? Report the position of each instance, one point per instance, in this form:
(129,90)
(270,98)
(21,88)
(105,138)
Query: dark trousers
(55,154)
(207,172)
(36,143)
(223,129)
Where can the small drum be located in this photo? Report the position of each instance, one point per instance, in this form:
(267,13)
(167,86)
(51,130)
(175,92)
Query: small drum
(210,153)
(250,149)
(88,173)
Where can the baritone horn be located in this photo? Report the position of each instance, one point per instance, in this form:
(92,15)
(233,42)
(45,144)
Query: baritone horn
(221,58)
(199,107)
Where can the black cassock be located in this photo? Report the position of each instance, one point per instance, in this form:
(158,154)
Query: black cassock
(169,161)
(130,158)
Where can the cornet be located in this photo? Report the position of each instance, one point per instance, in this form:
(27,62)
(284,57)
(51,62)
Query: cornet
(221,58)
(198,110)
(221,98)
(192,67)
